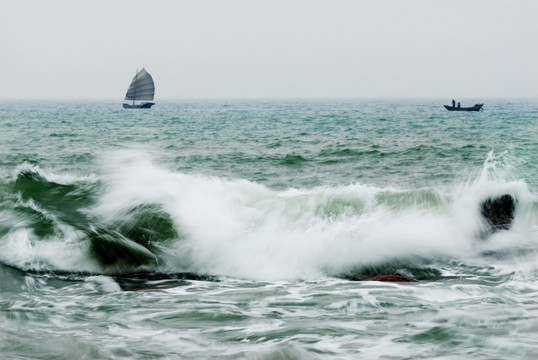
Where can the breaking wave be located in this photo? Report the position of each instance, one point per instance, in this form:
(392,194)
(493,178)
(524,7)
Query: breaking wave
(139,217)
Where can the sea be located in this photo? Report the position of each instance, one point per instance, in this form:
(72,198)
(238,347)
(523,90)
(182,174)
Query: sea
(248,229)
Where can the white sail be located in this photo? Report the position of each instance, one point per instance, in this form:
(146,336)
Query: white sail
(142,87)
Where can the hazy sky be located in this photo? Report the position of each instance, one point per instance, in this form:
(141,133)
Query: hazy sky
(90,49)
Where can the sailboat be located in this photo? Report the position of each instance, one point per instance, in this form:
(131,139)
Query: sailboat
(142,88)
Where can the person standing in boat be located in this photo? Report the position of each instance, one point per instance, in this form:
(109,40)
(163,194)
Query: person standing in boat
(459,105)
(453,103)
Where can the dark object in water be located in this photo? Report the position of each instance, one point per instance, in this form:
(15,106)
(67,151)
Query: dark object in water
(499,212)
(477,107)
(391,278)
(144,281)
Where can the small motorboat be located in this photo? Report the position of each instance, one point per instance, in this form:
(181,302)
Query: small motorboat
(476,107)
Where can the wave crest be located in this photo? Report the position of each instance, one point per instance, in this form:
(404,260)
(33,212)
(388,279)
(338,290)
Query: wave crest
(138,216)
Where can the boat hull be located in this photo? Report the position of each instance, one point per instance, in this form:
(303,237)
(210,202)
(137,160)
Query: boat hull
(145,105)
(477,107)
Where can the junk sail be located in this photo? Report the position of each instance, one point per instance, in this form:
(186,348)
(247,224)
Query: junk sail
(142,88)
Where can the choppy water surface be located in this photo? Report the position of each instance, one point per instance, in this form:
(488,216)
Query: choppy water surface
(245,229)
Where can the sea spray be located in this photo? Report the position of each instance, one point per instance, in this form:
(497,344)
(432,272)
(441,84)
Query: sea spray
(162,220)
(239,228)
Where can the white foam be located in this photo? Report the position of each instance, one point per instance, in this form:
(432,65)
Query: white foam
(22,249)
(51,176)
(239,228)
(243,229)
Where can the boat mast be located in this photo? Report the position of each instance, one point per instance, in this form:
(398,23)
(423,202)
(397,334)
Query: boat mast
(134,95)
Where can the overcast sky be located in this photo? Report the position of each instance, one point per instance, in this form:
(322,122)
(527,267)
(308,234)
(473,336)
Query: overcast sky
(91,49)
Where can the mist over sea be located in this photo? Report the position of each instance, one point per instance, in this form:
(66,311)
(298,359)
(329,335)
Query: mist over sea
(245,230)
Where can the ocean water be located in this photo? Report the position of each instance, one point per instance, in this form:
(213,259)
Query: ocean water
(245,229)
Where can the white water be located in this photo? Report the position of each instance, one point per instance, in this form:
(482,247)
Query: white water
(245,230)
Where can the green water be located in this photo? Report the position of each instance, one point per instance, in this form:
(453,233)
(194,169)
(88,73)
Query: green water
(244,229)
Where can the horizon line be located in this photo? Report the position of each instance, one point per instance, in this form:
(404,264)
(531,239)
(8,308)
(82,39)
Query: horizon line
(176,99)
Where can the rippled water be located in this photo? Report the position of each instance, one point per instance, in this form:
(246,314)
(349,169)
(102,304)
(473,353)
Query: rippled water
(245,229)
